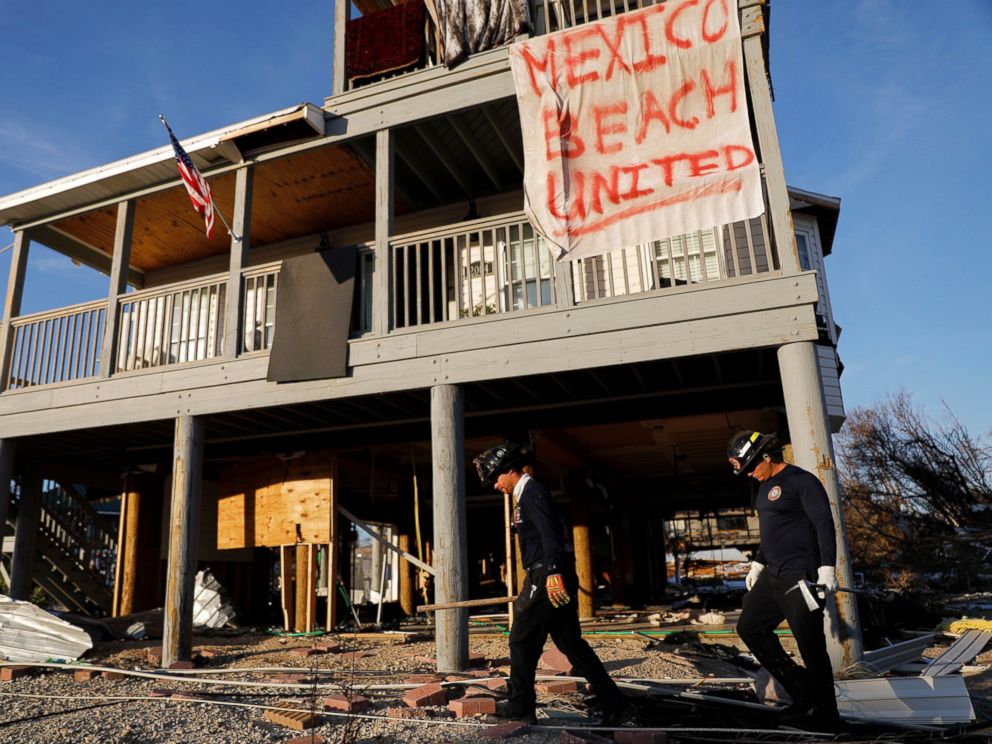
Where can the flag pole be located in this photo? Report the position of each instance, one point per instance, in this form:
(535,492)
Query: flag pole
(212,202)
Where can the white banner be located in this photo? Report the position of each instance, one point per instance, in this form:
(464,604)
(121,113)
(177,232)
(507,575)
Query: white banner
(635,127)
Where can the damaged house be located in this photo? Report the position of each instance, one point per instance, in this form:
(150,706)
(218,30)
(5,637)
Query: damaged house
(295,405)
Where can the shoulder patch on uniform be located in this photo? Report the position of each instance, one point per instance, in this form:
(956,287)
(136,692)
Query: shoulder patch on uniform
(774,493)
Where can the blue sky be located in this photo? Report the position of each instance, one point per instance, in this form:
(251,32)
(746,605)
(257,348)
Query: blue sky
(884,103)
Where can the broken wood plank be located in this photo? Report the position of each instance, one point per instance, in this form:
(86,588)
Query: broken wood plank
(375,536)
(466,603)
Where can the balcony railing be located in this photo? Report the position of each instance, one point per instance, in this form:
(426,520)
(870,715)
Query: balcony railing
(547,16)
(172,325)
(56,346)
(489,267)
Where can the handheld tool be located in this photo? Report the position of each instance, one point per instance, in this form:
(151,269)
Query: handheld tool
(814,594)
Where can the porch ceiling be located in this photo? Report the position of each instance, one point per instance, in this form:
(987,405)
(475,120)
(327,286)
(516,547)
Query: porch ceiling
(319,189)
(458,157)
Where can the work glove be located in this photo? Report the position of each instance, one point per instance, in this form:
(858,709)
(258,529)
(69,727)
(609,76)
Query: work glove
(826,577)
(556,591)
(753,574)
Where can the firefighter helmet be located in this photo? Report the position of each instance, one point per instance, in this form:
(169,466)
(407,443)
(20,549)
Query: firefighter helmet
(747,446)
(497,460)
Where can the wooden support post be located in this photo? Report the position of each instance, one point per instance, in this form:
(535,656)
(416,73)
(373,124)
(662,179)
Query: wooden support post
(25,536)
(382,295)
(332,550)
(339,76)
(128,545)
(187,467)
(813,450)
(583,565)
(234,304)
(407,587)
(451,544)
(12,303)
(118,286)
(7,447)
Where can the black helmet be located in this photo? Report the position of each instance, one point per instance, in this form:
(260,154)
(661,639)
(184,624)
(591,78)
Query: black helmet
(747,446)
(497,460)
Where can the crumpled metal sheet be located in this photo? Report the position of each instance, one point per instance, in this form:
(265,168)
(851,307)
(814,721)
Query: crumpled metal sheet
(30,634)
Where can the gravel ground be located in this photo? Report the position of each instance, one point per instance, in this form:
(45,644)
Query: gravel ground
(89,712)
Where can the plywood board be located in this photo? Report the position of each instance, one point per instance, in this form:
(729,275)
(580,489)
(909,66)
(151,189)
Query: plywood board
(271,502)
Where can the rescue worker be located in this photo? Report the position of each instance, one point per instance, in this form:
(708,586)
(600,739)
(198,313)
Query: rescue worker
(797,542)
(545,605)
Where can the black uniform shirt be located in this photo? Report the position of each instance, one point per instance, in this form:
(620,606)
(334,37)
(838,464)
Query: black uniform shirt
(543,533)
(797,529)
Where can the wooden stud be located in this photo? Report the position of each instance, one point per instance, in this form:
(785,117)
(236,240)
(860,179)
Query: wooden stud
(407,584)
(332,549)
(25,536)
(287,597)
(451,578)
(177,635)
(123,234)
(301,584)
(508,567)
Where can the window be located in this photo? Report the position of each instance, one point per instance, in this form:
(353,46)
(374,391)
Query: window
(803,247)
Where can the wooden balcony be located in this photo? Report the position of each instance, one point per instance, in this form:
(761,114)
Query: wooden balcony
(440,278)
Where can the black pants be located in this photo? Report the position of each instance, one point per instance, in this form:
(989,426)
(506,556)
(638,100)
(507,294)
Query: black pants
(765,606)
(534,618)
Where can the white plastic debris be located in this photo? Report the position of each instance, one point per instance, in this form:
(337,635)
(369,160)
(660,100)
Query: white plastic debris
(30,634)
(211,609)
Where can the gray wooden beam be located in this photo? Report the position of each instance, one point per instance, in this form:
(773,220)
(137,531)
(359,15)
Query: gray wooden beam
(450,540)
(771,157)
(444,157)
(25,535)
(81,251)
(177,634)
(339,74)
(813,449)
(475,147)
(118,287)
(12,303)
(385,177)
(240,245)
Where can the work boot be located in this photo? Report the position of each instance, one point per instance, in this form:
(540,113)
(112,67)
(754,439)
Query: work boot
(512,713)
(810,717)
(620,715)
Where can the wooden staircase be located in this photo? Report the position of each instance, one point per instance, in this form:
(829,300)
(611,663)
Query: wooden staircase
(75,552)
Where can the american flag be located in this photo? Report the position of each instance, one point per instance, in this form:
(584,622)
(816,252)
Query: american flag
(196,187)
